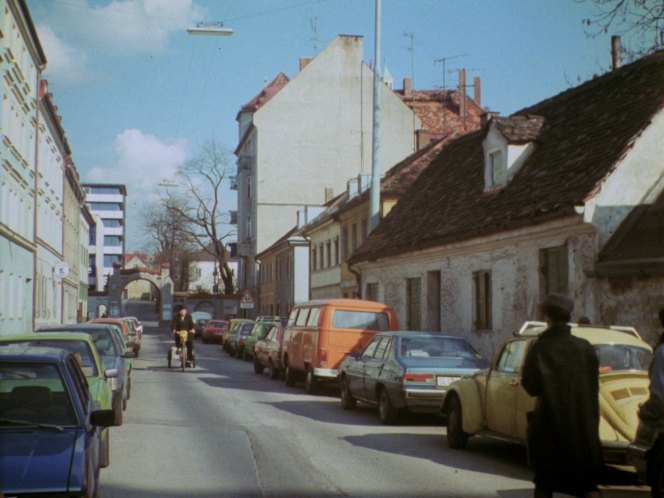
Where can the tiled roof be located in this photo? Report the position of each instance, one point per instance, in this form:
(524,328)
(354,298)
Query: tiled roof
(439,110)
(585,131)
(270,90)
(519,129)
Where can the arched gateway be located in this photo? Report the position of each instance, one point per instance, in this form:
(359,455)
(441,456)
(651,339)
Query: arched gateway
(159,278)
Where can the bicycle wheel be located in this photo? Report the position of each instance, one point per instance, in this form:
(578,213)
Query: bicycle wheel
(183,358)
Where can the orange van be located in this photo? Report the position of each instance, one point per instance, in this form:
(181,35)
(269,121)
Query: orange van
(319,334)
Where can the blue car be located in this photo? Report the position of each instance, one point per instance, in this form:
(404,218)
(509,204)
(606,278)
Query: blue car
(50,427)
(406,372)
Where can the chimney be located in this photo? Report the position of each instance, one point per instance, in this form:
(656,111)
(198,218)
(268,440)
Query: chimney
(423,138)
(304,61)
(477,85)
(352,188)
(487,116)
(462,96)
(329,194)
(408,88)
(616,52)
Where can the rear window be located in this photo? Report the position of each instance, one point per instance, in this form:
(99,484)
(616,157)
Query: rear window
(614,357)
(302,317)
(450,352)
(82,348)
(368,320)
(313,317)
(217,324)
(34,392)
(292,316)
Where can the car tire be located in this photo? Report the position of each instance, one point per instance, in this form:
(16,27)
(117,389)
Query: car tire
(129,387)
(124,403)
(118,414)
(274,373)
(258,367)
(311,383)
(105,457)
(456,438)
(347,400)
(245,355)
(289,376)
(387,413)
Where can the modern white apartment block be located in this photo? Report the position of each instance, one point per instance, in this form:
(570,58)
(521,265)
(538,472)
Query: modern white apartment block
(106,202)
(302,137)
(21,61)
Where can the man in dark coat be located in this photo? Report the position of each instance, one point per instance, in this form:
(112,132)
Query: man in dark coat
(183,321)
(561,370)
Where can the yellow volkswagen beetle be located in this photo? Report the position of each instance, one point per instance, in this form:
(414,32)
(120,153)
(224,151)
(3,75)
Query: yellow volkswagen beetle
(493,403)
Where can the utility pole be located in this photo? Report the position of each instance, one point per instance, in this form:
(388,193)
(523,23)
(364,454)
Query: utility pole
(374,213)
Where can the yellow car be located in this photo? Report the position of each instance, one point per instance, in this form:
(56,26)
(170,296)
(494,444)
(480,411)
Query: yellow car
(493,402)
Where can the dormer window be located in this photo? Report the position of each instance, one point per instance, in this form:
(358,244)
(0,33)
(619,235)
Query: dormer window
(496,168)
(507,145)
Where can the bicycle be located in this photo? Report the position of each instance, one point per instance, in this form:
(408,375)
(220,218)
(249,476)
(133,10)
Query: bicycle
(181,351)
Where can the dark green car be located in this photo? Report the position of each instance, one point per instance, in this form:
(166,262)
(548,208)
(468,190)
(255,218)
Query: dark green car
(258,332)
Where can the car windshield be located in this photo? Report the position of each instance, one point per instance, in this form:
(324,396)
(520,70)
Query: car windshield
(616,357)
(218,324)
(34,392)
(82,348)
(104,342)
(246,328)
(449,351)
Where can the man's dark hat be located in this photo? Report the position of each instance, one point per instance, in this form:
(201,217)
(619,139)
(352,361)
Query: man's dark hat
(559,301)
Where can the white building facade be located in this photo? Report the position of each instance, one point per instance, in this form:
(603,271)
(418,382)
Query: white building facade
(302,136)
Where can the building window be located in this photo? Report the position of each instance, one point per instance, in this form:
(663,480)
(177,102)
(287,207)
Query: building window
(110,259)
(371,292)
(248,187)
(354,238)
(365,230)
(112,223)
(105,206)
(328,253)
(413,309)
(93,235)
(344,243)
(248,227)
(482,284)
(314,252)
(496,168)
(321,256)
(553,270)
(112,241)
(336,251)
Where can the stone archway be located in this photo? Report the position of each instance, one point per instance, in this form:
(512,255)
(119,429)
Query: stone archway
(159,278)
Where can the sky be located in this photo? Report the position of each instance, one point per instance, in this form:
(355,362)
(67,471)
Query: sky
(138,96)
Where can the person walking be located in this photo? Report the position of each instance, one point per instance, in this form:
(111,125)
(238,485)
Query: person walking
(651,414)
(561,371)
(183,322)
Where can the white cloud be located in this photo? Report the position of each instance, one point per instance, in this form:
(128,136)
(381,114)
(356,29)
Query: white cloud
(141,162)
(65,63)
(126,26)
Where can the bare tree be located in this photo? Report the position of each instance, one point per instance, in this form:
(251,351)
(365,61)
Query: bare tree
(200,206)
(170,239)
(641,20)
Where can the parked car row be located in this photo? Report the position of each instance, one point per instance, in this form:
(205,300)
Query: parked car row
(358,344)
(61,389)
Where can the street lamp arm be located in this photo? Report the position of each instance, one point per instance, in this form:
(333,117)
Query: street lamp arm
(210,29)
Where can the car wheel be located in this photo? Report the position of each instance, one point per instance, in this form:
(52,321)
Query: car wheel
(245,355)
(311,383)
(290,376)
(124,403)
(655,471)
(456,438)
(347,400)
(170,359)
(118,414)
(258,367)
(105,457)
(274,373)
(386,411)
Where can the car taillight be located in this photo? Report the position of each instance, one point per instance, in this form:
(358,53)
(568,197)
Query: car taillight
(420,378)
(323,357)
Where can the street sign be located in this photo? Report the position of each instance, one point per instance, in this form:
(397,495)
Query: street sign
(247,300)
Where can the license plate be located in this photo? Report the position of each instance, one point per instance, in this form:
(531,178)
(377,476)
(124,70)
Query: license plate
(444,381)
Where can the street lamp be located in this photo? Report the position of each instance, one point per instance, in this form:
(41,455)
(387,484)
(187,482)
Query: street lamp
(210,29)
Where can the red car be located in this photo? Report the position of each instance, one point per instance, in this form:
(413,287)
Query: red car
(214,331)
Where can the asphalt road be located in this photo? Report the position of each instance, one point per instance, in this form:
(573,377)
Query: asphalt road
(220,430)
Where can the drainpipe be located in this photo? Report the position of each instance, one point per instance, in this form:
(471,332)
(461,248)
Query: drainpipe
(35,260)
(358,278)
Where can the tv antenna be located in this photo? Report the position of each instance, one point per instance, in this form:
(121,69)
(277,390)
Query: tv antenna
(313,23)
(411,49)
(443,61)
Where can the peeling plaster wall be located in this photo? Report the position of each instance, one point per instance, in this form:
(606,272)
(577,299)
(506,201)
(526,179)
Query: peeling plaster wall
(515,280)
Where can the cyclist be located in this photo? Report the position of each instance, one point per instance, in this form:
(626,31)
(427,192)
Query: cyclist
(183,326)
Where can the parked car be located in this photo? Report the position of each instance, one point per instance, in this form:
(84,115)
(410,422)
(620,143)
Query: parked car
(258,332)
(232,327)
(268,352)
(138,326)
(49,424)
(493,402)
(128,333)
(214,331)
(236,341)
(198,327)
(97,375)
(406,372)
(319,334)
(113,355)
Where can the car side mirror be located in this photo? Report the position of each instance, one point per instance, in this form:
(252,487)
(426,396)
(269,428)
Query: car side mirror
(129,354)
(102,418)
(111,373)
